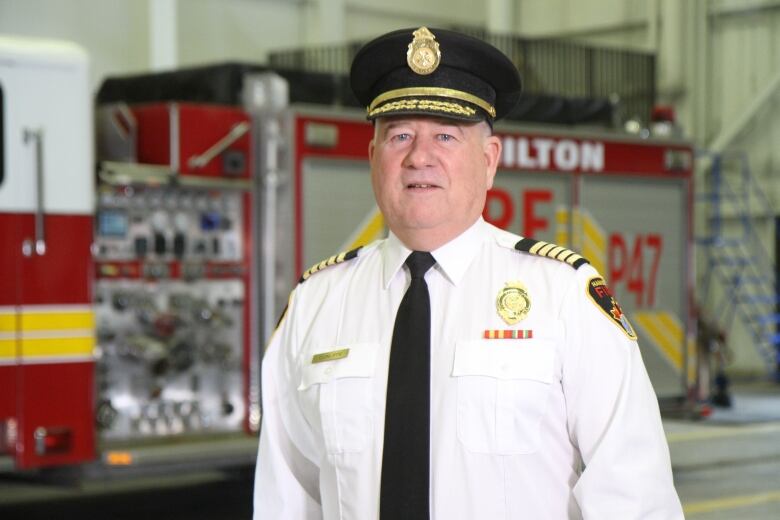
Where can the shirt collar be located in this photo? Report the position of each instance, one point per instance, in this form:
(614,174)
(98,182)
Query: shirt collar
(452,259)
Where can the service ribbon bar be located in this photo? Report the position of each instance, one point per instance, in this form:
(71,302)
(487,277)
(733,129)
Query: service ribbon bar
(508,334)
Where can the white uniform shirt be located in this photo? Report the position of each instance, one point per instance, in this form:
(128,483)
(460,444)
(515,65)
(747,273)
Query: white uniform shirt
(563,425)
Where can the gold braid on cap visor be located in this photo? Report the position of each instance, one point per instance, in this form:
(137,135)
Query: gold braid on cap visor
(429,91)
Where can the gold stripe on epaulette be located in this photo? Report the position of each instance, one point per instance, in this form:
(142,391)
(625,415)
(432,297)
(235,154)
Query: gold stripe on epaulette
(556,251)
(550,250)
(566,254)
(536,247)
(333,260)
(317,267)
(546,250)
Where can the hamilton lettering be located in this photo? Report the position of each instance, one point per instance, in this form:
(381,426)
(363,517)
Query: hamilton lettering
(545,153)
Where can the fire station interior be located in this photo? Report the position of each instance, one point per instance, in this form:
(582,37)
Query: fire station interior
(170,168)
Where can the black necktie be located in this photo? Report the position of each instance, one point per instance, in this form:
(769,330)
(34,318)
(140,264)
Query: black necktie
(406,459)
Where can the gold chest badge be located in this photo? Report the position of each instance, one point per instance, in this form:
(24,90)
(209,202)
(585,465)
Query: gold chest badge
(513,302)
(423,55)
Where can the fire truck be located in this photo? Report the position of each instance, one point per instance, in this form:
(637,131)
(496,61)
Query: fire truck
(148,244)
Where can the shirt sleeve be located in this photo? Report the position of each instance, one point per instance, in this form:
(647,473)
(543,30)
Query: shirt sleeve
(613,415)
(286,480)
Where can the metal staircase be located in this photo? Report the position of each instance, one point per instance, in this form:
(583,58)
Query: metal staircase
(739,280)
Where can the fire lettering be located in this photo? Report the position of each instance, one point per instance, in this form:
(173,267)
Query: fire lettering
(602,291)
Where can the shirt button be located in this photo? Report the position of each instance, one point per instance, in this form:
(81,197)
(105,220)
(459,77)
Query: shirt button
(328,371)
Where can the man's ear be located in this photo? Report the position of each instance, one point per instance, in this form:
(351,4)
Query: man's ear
(371,146)
(492,151)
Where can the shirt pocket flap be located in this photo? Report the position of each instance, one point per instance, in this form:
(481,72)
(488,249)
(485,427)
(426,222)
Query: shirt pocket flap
(505,359)
(325,365)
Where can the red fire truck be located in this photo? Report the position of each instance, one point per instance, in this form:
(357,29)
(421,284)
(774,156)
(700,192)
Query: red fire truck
(139,280)
(126,299)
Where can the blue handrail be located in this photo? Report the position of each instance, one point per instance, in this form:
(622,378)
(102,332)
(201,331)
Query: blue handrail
(736,256)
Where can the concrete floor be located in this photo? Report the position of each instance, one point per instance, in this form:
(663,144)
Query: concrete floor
(726,467)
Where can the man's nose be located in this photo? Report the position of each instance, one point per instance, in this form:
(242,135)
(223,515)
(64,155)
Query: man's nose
(420,153)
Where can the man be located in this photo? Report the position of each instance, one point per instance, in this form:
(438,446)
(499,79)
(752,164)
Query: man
(485,375)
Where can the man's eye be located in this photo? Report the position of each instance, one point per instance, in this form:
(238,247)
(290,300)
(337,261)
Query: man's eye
(446,137)
(401,137)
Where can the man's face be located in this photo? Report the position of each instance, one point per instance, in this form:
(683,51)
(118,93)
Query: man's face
(430,176)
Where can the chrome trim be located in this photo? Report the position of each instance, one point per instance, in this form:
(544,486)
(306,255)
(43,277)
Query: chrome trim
(236,132)
(30,134)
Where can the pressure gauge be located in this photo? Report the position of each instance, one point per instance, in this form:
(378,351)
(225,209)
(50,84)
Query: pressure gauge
(160,221)
(181,221)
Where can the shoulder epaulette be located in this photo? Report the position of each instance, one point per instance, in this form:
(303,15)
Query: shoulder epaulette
(541,248)
(333,260)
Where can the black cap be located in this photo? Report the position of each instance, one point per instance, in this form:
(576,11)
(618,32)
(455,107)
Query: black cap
(434,72)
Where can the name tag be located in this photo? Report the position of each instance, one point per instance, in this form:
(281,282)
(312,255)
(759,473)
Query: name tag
(330,356)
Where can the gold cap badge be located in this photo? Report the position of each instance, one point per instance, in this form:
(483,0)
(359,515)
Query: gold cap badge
(513,302)
(423,55)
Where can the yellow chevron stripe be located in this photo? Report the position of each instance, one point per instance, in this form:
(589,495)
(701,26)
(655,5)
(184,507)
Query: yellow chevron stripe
(594,233)
(39,347)
(562,227)
(40,321)
(47,347)
(666,334)
(670,322)
(58,320)
(8,322)
(577,239)
(595,246)
(34,333)
(369,232)
(7,349)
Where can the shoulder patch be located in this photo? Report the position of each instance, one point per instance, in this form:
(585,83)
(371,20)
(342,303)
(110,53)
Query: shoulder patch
(600,294)
(541,248)
(333,260)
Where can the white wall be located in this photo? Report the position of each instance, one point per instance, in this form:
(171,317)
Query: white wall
(114,32)
(577,17)
(241,30)
(369,18)
(743,56)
